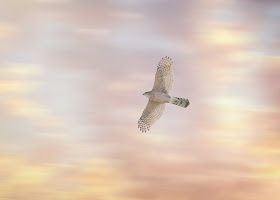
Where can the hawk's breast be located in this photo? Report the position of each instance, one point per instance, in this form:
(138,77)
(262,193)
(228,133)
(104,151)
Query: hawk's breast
(159,97)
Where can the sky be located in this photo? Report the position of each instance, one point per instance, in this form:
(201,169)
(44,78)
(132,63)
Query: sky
(72,75)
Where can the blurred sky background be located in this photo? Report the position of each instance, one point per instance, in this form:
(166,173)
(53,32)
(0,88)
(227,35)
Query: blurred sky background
(72,74)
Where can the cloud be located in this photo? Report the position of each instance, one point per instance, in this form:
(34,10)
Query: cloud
(7,30)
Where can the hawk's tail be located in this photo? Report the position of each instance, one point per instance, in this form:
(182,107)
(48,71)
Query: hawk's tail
(180,102)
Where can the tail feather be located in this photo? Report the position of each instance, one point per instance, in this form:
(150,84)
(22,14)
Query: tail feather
(180,102)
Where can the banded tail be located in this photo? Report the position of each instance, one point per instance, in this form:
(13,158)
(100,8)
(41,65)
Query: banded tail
(180,102)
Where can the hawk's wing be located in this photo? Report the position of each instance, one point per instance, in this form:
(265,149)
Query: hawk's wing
(150,115)
(164,75)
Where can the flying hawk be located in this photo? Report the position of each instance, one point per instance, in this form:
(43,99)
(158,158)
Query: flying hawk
(159,95)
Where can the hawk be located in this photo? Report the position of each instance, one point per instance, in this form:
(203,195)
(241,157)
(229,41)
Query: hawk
(159,95)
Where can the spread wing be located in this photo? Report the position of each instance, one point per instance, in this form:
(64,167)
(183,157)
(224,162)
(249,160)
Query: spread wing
(150,115)
(164,75)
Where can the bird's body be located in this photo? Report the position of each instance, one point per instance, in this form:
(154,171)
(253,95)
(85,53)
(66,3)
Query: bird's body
(159,95)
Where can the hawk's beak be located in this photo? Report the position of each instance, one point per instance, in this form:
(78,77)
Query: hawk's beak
(143,94)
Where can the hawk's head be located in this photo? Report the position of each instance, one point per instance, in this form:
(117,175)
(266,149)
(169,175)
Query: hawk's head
(147,94)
